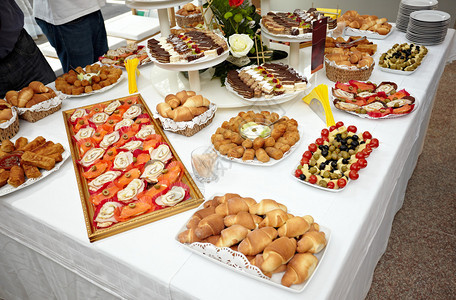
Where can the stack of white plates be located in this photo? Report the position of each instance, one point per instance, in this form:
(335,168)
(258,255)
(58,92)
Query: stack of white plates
(428,27)
(406,7)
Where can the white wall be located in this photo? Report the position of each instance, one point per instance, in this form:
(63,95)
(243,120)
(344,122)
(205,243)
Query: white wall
(381,8)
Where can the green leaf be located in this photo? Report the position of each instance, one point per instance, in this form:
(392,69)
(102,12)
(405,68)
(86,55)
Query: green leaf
(228,15)
(238,18)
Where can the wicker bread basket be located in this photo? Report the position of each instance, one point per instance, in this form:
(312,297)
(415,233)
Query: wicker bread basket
(12,129)
(195,129)
(33,116)
(344,75)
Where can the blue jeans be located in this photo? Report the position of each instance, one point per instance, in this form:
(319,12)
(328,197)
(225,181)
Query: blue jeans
(79,42)
(23,65)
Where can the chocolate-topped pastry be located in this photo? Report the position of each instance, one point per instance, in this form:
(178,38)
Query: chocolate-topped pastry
(186,46)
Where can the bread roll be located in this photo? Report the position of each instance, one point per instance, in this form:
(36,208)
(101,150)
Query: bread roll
(6,114)
(24,96)
(199,215)
(196,111)
(232,207)
(37,98)
(11,97)
(257,240)
(258,261)
(299,269)
(38,87)
(265,206)
(294,227)
(188,236)
(172,100)
(210,225)
(196,101)
(274,218)
(312,242)
(181,114)
(163,109)
(279,252)
(232,235)
(243,218)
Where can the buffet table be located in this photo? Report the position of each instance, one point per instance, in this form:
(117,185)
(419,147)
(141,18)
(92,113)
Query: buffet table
(45,251)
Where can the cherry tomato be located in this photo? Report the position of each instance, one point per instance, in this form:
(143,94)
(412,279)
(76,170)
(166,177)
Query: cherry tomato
(325,138)
(352,128)
(339,124)
(332,128)
(367,135)
(324,132)
(366,152)
(330,185)
(319,141)
(374,143)
(355,166)
(304,161)
(341,182)
(353,175)
(362,163)
(313,147)
(313,179)
(298,172)
(307,154)
(359,155)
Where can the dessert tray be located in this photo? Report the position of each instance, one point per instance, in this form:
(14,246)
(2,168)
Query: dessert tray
(372,101)
(278,83)
(236,261)
(7,189)
(241,141)
(335,158)
(128,173)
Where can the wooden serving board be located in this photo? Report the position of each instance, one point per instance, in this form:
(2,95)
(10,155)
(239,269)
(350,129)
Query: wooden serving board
(94,233)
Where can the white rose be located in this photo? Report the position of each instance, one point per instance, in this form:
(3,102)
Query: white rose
(240,44)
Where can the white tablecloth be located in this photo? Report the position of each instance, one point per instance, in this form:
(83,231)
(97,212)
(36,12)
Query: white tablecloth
(45,252)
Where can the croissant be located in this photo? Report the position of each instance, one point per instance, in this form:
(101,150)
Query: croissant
(199,215)
(196,101)
(242,218)
(299,269)
(312,242)
(188,236)
(279,252)
(294,227)
(211,239)
(210,225)
(11,97)
(37,98)
(24,96)
(163,108)
(5,115)
(265,206)
(172,100)
(232,207)
(232,235)
(257,240)
(214,202)
(38,87)
(274,218)
(180,114)
(183,96)
(258,261)
(196,111)
(226,197)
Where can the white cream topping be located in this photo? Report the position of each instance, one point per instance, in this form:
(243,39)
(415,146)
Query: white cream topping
(132,112)
(162,153)
(124,122)
(343,94)
(401,102)
(78,113)
(99,118)
(135,187)
(110,139)
(91,156)
(173,196)
(123,160)
(106,214)
(152,171)
(84,133)
(132,145)
(347,106)
(387,88)
(145,131)
(373,106)
(102,179)
(112,107)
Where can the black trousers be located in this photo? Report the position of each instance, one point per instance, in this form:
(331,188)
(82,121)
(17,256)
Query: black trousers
(23,65)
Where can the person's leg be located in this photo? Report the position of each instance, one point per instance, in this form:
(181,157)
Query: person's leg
(23,65)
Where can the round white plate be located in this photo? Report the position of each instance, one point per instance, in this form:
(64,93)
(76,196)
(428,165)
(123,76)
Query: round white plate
(430,16)
(317,186)
(286,38)
(369,34)
(419,3)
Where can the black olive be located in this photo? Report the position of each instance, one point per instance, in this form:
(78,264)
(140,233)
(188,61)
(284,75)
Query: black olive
(334,164)
(343,142)
(337,139)
(343,148)
(322,166)
(302,177)
(345,161)
(362,142)
(326,147)
(355,143)
(324,153)
(355,137)
(353,147)
(321,147)
(339,135)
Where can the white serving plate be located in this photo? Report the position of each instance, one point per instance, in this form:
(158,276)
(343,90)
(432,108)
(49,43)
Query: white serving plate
(237,262)
(285,37)
(401,72)
(430,16)
(6,189)
(369,34)
(317,186)
(271,162)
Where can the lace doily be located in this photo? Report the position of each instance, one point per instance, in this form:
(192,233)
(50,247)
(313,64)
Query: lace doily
(352,68)
(171,125)
(45,105)
(6,124)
